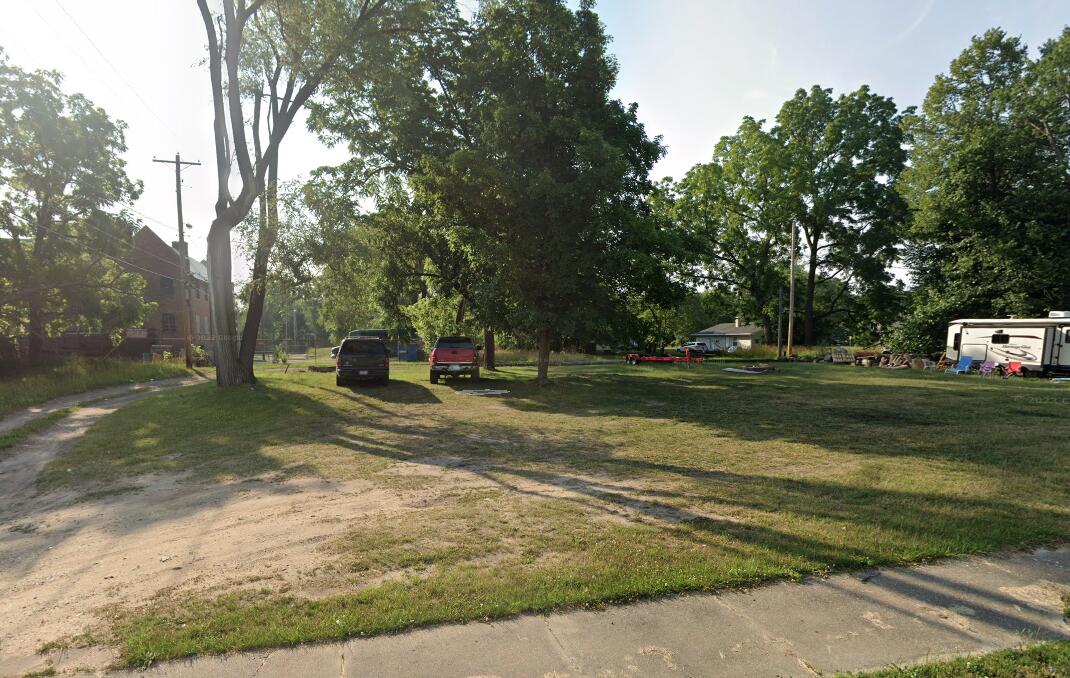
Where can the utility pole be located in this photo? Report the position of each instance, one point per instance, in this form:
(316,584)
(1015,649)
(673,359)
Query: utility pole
(183,255)
(779,323)
(791,297)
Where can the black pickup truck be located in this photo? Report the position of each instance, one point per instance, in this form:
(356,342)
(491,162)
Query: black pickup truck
(362,359)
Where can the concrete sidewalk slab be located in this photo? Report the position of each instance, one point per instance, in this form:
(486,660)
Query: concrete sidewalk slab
(847,622)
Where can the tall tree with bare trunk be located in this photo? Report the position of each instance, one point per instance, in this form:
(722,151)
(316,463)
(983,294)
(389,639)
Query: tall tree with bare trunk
(281,50)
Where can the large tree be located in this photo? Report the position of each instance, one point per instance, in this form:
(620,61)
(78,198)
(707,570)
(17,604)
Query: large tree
(737,212)
(63,184)
(285,48)
(843,157)
(989,184)
(511,128)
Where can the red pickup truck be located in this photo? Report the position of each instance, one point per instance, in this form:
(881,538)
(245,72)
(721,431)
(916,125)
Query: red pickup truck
(454,356)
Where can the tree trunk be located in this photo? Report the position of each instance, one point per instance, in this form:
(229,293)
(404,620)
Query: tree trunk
(36,301)
(36,329)
(811,286)
(488,350)
(541,376)
(220,288)
(768,328)
(265,242)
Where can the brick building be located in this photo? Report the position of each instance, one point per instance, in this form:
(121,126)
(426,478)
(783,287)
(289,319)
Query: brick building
(163,326)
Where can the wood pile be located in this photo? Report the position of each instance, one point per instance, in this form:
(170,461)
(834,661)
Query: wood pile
(879,358)
(893,361)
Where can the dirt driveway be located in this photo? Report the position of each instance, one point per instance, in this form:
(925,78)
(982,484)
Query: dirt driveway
(66,557)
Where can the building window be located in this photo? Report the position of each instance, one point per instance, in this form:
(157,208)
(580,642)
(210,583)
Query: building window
(167,320)
(167,286)
(196,324)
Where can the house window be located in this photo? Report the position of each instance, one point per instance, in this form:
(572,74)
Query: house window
(196,324)
(197,290)
(1001,338)
(167,320)
(167,286)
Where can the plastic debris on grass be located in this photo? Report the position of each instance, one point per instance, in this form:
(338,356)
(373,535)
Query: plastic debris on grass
(751,369)
(482,392)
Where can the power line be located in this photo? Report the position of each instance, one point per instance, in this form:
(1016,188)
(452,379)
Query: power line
(116,71)
(152,219)
(75,52)
(123,241)
(95,250)
(102,253)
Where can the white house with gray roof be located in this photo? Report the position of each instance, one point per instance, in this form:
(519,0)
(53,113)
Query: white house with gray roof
(726,335)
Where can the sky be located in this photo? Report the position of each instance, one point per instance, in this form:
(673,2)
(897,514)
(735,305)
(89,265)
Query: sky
(695,67)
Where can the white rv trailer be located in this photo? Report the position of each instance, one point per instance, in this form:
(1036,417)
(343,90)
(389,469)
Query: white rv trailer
(1042,345)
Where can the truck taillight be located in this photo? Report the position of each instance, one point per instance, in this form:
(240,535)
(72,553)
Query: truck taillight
(337,363)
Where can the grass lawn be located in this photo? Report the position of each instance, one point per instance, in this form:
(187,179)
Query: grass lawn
(77,376)
(611,484)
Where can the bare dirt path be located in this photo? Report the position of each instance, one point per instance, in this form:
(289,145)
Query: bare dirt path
(25,416)
(65,555)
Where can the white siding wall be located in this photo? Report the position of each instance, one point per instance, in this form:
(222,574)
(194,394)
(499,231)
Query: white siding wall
(725,342)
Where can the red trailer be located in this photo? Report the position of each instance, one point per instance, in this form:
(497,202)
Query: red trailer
(636,358)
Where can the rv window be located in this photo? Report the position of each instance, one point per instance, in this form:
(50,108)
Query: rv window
(957,341)
(1000,338)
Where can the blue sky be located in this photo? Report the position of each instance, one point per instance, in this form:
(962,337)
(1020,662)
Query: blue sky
(695,67)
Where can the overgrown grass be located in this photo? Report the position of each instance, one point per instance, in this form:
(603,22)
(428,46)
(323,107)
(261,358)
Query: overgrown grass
(15,436)
(613,483)
(77,376)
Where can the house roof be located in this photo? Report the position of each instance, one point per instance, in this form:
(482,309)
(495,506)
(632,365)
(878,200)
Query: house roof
(729,330)
(198,269)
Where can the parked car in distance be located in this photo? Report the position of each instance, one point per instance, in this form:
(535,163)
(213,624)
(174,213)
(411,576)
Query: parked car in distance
(696,347)
(362,359)
(454,356)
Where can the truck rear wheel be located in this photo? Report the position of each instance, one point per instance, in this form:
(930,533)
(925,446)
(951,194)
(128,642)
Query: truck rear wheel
(434,377)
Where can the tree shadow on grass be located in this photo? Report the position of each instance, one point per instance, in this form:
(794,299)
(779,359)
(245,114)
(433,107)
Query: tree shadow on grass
(808,525)
(582,467)
(965,420)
